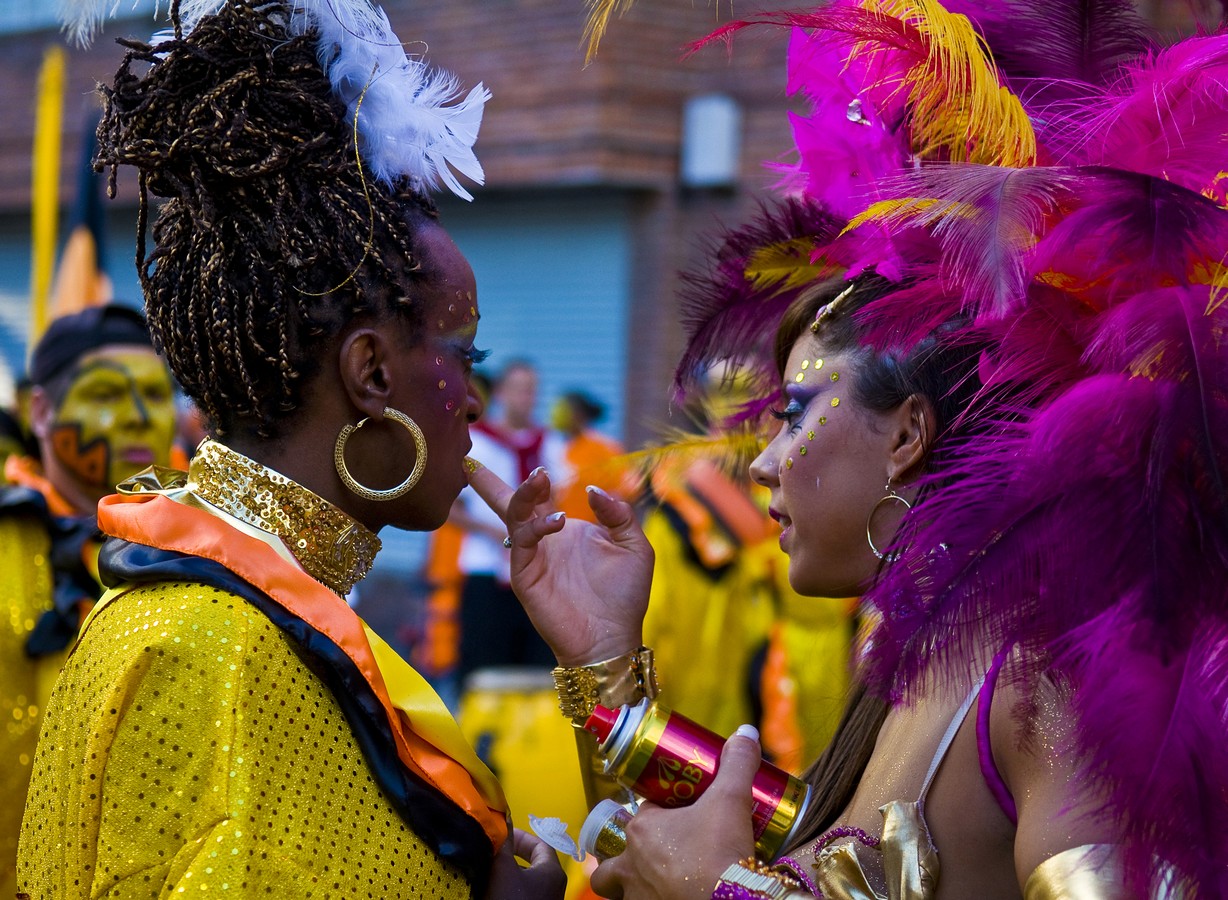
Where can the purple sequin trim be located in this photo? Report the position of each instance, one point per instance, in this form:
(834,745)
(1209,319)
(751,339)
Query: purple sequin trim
(795,868)
(842,832)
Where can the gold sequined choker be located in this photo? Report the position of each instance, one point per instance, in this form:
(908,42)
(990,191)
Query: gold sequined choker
(332,548)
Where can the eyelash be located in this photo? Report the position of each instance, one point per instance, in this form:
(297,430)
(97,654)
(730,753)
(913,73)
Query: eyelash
(790,414)
(476,357)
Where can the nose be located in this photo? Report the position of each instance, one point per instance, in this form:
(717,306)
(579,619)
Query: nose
(136,413)
(765,470)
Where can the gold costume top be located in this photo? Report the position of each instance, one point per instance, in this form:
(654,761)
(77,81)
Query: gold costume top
(193,742)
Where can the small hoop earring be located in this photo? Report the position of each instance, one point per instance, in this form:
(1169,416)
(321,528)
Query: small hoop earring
(391,493)
(891,496)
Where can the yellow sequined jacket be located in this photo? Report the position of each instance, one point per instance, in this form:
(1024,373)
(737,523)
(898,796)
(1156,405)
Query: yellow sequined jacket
(208,758)
(226,724)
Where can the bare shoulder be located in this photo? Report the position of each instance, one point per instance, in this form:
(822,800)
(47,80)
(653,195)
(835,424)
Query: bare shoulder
(1033,731)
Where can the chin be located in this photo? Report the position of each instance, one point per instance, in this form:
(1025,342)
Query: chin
(817,581)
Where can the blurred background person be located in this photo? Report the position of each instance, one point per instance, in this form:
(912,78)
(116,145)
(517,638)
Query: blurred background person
(12,440)
(102,408)
(588,457)
(494,630)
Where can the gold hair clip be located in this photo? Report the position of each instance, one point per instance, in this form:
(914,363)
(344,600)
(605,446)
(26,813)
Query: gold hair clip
(829,309)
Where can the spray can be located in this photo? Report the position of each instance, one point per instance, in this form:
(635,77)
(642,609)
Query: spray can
(670,760)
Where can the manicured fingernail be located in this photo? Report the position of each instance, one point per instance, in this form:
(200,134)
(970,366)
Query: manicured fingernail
(556,517)
(593,489)
(471,465)
(538,471)
(748,731)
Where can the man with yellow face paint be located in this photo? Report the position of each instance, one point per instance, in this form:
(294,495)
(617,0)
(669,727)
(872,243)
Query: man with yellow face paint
(101,408)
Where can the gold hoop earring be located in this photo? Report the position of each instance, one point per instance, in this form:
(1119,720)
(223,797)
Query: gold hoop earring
(391,493)
(891,496)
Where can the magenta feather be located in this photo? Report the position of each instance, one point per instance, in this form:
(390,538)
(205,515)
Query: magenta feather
(988,218)
(1127,230)
(1058,49)
(1166,117)
(729,315)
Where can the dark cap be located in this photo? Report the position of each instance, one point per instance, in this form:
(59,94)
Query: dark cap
(69,338)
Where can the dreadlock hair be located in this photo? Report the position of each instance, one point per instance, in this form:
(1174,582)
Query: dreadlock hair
(942,368)
(272,239)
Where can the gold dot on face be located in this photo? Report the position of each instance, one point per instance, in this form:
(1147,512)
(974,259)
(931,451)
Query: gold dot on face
(835,401)
(802,450)
(799,376)
(789,463)
(805,364)
(822,420)
(442,384)
(810,434)
(818,363)
(835,376)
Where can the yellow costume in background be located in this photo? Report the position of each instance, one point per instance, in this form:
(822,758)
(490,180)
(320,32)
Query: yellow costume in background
(806,678)
(27,583)
(25,683)
(721,595)
(710,607)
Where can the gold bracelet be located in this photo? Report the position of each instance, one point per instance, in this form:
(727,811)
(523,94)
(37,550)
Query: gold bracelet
(612,682)
(758,878)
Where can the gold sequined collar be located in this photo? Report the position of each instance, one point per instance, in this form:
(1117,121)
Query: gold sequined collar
(332,548)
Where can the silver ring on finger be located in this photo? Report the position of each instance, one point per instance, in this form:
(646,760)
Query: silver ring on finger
(507,542)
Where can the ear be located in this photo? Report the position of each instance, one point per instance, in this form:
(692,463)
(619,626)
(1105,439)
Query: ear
(913,427)
(363,362)
(42,413)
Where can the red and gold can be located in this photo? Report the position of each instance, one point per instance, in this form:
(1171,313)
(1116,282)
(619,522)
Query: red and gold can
(670,760)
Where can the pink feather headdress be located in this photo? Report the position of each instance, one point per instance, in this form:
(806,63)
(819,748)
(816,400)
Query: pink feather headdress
(1081,514)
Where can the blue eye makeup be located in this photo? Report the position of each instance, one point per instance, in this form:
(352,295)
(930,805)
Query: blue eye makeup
(475,357)
(791,413)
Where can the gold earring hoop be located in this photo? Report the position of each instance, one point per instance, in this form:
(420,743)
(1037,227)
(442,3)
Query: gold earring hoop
(391,493)
(891,496)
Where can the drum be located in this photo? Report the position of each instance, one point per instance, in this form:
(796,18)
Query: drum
(511,717)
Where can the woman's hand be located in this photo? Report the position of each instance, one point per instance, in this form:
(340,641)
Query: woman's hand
(678,854)
(584,586)
(542,880)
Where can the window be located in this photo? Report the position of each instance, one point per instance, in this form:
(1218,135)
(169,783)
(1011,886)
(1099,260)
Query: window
(39,15)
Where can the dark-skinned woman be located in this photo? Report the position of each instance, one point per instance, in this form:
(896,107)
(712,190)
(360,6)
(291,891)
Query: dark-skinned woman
(226,724)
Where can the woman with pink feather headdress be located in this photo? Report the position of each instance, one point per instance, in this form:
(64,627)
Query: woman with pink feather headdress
(1003,388)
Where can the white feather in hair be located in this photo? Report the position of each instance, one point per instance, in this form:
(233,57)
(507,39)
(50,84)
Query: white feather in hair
(406,127)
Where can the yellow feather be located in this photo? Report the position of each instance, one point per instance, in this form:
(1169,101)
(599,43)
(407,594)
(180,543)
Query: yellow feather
(599,13)
(1217,278)
(732,451)
(891,211)
(959,109)
(46,181)
(785,263)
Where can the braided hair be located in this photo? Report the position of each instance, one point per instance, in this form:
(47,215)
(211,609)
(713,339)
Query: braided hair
(272,238)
